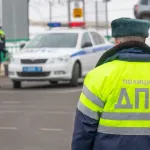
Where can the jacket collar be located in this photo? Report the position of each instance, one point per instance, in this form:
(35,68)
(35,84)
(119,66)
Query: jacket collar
(127,51)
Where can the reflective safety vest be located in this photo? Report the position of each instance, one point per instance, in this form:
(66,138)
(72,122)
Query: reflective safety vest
(2,40)
(117,95)
(2,32)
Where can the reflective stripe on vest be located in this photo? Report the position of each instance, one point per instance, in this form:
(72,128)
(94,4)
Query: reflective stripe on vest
(96,100)
(86,111)
(124,130)
(128,123)
(125,116)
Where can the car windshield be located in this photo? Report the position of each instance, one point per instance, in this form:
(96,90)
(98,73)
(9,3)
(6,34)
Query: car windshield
(54,40)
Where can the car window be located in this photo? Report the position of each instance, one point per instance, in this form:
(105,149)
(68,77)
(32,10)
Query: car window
(144,2)
(54,40)
(97,38)
(85,39)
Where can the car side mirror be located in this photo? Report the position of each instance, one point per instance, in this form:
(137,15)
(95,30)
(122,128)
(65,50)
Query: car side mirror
(88,44)
(22,45)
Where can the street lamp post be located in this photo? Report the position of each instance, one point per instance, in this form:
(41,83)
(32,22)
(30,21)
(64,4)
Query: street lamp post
(50,11)
(69,14)
(84,18)
(106,12)
(96,14)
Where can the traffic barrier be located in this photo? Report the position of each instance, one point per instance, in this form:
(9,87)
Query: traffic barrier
(13,45)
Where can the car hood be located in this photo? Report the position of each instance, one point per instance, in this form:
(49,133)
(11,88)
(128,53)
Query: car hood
(40,53)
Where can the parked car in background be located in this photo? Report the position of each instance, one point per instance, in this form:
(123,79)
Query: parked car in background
(142,9)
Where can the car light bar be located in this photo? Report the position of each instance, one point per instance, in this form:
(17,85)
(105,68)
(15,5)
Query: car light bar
(54,24)
(70,24)
(76,24)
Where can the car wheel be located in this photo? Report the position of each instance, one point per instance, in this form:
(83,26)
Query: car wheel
(53,82)
(75,75)
(16,84)
(145,17)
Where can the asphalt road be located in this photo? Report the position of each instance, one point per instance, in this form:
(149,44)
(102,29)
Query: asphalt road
(38,117)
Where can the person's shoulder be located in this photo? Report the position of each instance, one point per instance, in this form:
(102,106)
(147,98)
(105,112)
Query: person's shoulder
(100,77)
(104,70)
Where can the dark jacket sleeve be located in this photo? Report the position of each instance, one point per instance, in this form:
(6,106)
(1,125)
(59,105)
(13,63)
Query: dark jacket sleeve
(85,130)
(2,43)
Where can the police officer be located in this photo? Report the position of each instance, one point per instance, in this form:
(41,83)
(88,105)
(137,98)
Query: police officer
(2,39)
(113,112)
(2,46)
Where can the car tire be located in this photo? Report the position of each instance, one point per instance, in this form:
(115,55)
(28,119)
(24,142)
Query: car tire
(53,82)
(146,18)
(16,84)
(75,75)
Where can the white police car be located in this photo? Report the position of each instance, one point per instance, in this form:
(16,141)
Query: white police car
(148,39)
(57,55)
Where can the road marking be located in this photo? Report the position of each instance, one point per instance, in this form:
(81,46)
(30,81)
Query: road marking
(58,112)
(51,129)
(67,91)
(8,128)
(43,92)
(37,112)
(11,102)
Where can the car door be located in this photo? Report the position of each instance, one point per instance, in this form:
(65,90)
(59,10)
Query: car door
(86,46)
(97,53)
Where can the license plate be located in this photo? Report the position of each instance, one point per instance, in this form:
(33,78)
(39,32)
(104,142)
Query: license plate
(32,69)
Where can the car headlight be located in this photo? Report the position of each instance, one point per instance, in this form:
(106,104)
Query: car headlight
(59,59)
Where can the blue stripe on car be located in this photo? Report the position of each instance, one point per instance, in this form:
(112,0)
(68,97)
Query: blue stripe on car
(97,49)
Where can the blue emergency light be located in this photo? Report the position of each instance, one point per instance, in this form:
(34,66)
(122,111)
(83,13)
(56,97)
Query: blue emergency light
(54,24)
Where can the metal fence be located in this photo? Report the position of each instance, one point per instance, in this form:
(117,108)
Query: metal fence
(13,45)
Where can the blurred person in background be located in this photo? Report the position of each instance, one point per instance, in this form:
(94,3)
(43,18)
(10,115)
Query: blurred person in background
(113,112)
(2,46)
